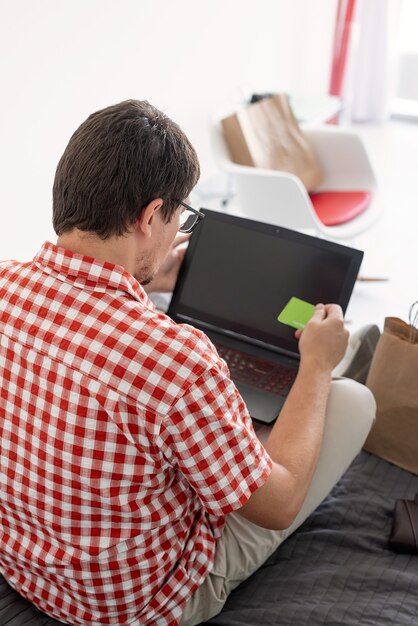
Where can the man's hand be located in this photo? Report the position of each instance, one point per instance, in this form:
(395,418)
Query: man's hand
(324,339)
(166,278)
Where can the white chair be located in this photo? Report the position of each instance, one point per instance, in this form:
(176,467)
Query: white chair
(280,198)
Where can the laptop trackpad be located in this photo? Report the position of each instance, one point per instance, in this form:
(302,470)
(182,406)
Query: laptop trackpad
(262,405)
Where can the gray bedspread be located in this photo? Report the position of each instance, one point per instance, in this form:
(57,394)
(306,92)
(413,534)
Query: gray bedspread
(336,569)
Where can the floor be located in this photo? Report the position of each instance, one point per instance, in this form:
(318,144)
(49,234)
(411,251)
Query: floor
(390,244)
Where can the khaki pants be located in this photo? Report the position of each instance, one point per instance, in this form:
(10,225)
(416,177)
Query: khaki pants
(244,547)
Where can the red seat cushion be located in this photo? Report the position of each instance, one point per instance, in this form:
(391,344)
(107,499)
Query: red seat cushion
(338,207)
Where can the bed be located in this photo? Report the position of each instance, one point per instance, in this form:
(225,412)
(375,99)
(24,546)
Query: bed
(336,569)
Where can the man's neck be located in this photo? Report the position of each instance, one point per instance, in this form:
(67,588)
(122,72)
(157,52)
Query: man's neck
(115,250)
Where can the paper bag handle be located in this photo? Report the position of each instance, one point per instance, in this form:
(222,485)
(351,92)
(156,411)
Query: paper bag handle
(413,321)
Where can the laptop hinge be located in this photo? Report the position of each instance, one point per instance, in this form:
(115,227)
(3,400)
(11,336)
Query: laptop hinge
(234,335)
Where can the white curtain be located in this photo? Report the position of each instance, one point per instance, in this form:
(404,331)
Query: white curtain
(371,65)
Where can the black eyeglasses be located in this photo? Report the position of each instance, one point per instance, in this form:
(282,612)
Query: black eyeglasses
(189,218)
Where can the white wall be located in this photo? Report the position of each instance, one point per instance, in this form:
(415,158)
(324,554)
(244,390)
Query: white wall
(60,60)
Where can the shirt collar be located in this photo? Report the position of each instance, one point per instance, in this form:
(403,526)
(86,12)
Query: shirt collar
(89,273)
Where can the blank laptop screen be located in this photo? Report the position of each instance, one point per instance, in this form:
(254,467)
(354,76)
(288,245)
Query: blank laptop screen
(239,274)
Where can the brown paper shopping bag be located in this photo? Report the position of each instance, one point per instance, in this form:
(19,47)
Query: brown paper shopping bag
(393,379)
(266,134)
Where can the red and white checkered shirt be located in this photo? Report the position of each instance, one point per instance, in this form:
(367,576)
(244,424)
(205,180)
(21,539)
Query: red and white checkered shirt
(123,444)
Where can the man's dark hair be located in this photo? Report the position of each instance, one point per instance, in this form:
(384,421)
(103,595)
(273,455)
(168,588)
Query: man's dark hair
(120,159)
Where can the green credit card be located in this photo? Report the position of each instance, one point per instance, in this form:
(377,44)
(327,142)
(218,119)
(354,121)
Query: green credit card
(296,313)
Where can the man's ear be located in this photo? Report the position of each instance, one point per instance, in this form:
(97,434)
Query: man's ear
(146,219)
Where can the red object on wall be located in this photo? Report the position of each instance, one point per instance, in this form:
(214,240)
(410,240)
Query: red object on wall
(343,22)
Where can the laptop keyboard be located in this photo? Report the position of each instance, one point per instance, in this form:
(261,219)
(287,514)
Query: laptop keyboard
(257,372)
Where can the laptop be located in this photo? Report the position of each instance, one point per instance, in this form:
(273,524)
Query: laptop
(236,278)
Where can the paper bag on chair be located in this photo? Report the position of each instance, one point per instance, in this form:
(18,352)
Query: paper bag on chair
(267,135)
(393,379)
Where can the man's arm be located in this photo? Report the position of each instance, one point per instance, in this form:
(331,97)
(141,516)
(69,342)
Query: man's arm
(295,440)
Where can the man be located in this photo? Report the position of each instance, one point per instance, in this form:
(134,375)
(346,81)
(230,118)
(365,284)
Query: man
(134,489)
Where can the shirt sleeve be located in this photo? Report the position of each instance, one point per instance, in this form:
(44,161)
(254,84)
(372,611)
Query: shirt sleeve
(209,437)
